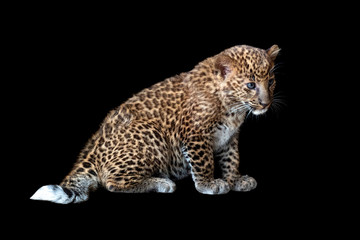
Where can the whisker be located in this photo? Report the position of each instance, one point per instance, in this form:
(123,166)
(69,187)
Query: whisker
(280,101)
(250,111)
(278,104)
(276,67)
(280,98)
(238,109)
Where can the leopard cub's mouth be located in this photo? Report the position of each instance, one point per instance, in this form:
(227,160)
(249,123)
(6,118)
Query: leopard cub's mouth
(255,110)
(258,111)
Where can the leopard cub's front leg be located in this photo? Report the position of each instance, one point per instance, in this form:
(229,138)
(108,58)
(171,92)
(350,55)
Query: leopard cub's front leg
(200,156)
(229,160)
(244,183)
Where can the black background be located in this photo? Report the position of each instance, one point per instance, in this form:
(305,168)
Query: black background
(70,65)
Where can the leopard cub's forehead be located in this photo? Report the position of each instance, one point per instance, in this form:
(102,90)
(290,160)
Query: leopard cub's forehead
(251,60)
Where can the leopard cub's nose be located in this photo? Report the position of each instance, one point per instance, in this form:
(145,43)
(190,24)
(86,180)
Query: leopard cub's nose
(264,104)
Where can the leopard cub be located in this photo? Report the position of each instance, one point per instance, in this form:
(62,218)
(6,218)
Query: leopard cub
(184,125)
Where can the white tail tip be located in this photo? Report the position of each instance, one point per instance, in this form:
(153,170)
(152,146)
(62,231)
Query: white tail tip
(52,193)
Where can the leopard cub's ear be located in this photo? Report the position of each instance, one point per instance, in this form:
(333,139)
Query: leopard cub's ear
(273,51)
(224,64)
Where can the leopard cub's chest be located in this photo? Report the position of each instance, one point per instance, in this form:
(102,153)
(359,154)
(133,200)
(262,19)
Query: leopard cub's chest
(225,130)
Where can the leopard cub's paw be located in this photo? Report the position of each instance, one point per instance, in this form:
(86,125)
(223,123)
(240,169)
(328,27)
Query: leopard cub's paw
(165,185)
(216,186)
(244,184)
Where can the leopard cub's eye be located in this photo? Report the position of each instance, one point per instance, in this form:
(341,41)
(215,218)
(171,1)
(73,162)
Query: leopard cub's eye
(271,81)
(251,85)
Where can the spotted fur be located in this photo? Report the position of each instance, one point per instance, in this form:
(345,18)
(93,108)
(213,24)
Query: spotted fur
(184,125)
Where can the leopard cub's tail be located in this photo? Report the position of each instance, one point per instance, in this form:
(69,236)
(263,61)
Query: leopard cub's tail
(58,194)
(74,189)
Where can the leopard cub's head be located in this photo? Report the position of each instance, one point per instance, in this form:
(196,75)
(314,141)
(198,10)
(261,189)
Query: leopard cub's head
(247,80)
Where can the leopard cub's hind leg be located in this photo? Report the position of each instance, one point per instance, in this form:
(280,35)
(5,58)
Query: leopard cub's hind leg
(137,162)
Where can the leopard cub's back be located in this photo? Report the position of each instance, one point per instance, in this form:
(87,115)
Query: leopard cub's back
(148,126)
